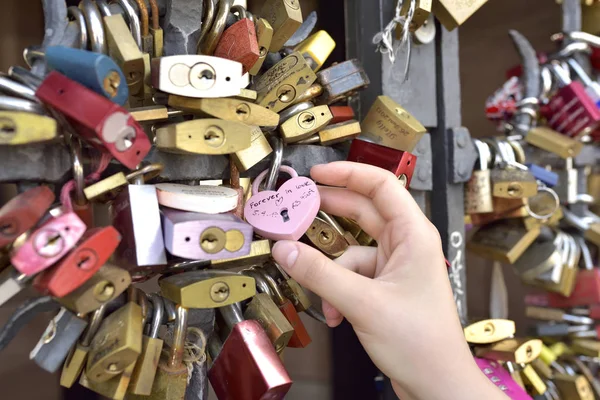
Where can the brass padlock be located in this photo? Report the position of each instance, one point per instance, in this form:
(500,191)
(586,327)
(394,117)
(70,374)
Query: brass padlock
(18,128)
(103,287)
(281,85)
(117,344)
(316,49)
(260,252)
(489,331)
(390,125)
(228,109)
(334,134)
(123,49)
(204,136)
(520,351)
(503,241)
(264,36)
(259,149)
(574,387)
(207,288)
(551,141)
(285,16)
(420,17)
(533,380)
(512,183)
(114,388)
(453,13)
(304,124)
(478,190)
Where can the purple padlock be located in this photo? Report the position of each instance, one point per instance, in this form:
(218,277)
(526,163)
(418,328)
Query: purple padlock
(285,214)
(199,236)
(500,377)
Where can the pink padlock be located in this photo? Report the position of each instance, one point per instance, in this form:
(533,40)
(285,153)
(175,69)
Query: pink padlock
(287,213)
(496,373)
(48,243)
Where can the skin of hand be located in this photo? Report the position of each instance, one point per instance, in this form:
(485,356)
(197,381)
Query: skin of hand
(397,296)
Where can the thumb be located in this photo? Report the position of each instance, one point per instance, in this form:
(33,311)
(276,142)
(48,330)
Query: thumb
(343,289)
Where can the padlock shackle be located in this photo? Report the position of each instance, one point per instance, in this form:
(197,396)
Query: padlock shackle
(103,8)
(93,326)
(276,292)
(232,315)
(209,16)
(214,345)
(94,26)
(157,314)
(256,185)
(77,15)
(179,336)
(261,283)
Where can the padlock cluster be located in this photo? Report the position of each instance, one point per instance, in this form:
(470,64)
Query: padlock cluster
(141,116)
(532,203)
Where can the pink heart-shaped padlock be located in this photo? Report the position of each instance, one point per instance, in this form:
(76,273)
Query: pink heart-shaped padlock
(287,213)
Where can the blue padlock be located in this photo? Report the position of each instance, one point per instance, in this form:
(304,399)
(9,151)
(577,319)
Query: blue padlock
(548,178)
(95,71)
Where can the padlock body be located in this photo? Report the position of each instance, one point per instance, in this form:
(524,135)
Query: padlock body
(478,193)
(248,349)
(278,329)
(400,163)
(136,216)
(22,212)
(48,244)
(300,338)
(239,43)
(572,112)
(103,123)
(22,128)
(146,366)
(585,293)
(341,80)
(93,251)
(200,236)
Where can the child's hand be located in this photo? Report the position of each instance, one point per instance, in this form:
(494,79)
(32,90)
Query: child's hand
(396,296)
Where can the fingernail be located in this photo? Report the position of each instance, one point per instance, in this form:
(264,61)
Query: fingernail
(286,253)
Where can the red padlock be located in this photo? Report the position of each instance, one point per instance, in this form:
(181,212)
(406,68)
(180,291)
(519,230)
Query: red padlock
(341,114)
(94,249)
(400,163)
(22,212)
(239,42)
(571,111)
(248,349)
(586,292)
(48,244)
(102,122)
(300,338)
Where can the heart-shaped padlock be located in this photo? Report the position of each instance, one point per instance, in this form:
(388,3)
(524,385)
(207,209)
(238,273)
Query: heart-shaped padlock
(284,214)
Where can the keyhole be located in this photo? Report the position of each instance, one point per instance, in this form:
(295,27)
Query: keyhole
(206,74)
(286,93)
(7,128)
(529,351)
(488,329)
(307,120)
(214,136)
(284,214)
(83,261)
(514,190)
(242,111)
(325,236)
(111,83)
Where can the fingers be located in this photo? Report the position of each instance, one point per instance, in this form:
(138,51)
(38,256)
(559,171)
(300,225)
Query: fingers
(346,203)
(343,289)
(359,259)
(390,198)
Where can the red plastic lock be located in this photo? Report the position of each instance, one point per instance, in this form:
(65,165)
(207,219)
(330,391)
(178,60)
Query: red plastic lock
(94,249)
(22,212)
(586,292)
(400,163)
(239,43)
(103,123)
(341,114)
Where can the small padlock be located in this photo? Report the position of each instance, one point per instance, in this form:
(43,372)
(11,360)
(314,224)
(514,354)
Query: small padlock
(198,76)
(76,359)
(533,380)
(285,16)
(503,241)
(123,49)
(239,42)
(200,236)
(316,49)
(259,149)
(326,238)
(281,85)
(93,251)
(144,372)
(203,199)
(341,81)
(300,337)
(204,136)
(554,142)
(521,351)
(102,122)
(305,124)
(118,342)
(95,71)
(22,212)
(263,309)
(400,163)
(207,288)
(264,36)
(420,17)
(341,114)
(286,213)
(260,252)
(574,387)
(56,341)
(230,109)
(335,133)
(478,190)
(106,285)
(20,128)
(489,331)
(291,289)
(513,183)
(453,13)
(249,348)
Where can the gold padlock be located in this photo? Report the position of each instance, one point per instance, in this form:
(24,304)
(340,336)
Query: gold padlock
(503,241)
(520,351)
(260,252)
(574,387)
(453,13)
(285,16)
(264,36)
(305,123)
(421,14)
(18,128)
(512,183)
(334,134)
(551,141)
(259,149)
(489,331)
(204,136)
(533,380)
(316,49)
